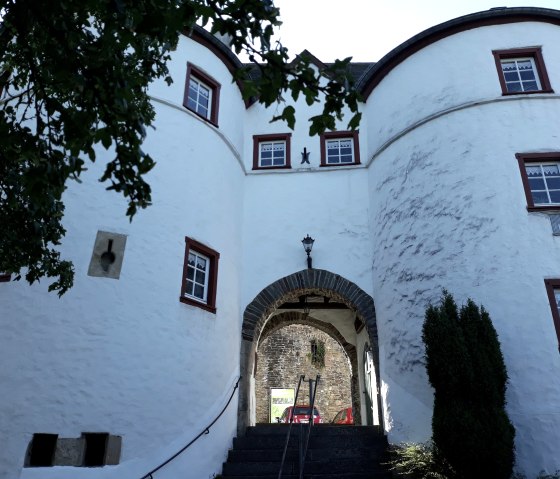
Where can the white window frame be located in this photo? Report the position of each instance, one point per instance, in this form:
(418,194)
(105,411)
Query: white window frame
(519,79)
(273,143)
(544,179)
(329,158)
(194,282)
(199,107)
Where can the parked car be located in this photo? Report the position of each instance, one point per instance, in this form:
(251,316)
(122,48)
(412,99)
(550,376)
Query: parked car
(301,415)
(344,416)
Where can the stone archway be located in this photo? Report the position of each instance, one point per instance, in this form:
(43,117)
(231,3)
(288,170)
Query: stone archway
(293,317)
(258,312)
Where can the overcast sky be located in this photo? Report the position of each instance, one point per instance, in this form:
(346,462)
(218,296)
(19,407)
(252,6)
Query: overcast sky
(368,29)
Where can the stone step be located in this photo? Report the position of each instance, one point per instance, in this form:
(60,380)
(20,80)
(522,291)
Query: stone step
(335,452)
(315,442)
(318,429)
(341,466)
(257,455)
(371,475)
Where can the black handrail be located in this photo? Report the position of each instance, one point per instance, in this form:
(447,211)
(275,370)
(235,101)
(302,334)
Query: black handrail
(303,446)
(301,378)
(205,431)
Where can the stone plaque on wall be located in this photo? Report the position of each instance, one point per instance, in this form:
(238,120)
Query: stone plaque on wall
(107,256)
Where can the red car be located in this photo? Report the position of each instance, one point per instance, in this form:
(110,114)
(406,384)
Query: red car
(345,416)
(301,415)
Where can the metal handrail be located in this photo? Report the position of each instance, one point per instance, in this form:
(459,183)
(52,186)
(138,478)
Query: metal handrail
(301,378)
(149,475)
(303,448)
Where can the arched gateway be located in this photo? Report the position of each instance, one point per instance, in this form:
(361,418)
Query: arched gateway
(258,312)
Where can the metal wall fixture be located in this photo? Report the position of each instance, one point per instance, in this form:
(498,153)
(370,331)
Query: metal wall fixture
(308,246)
(305,156)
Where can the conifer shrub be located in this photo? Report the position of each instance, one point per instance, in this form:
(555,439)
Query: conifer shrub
(470,427)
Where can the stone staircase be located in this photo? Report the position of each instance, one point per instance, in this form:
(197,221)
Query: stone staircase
(341,452)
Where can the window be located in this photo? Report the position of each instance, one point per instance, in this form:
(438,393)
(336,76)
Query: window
(202,94)
(271,151)
(317,353)
(553,291)
(540,173)
(5,277)
(522,71)
(340,148)
(200,275)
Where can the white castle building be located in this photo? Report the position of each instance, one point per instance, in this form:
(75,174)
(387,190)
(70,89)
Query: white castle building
(452,181)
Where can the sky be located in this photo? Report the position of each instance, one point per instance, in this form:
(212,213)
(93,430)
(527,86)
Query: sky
(368,29)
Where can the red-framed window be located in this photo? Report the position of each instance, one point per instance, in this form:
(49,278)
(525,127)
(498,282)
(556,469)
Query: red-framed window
(522,70)
(200,275)
(339,148)
(553,292)
(272,151)
(5,277)
(202,94)
(540,173)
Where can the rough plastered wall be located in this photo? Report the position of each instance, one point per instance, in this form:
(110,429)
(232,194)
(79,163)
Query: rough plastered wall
(448,210)
(126,356)
(285,354)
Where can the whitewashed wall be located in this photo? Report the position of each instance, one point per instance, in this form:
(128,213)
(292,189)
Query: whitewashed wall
(440,205)
(126,356)
(448,210)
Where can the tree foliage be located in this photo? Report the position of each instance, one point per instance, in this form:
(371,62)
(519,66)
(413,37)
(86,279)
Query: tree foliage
(465,366)
(75,76)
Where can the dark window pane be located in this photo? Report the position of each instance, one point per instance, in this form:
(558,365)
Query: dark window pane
(511,76)
(191,103)
(200,277)
(539,197)
(513,87)
(198,291)
(555,196)
(527,75)
(530,86)
(553,183)
(190,273)
(536,184)
(201,263)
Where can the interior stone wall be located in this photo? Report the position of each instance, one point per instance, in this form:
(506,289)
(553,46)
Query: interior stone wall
(285,354)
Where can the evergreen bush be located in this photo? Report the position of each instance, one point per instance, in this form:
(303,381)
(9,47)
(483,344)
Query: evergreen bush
(471,430)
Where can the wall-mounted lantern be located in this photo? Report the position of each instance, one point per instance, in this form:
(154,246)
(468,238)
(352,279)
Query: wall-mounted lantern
(308,246)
